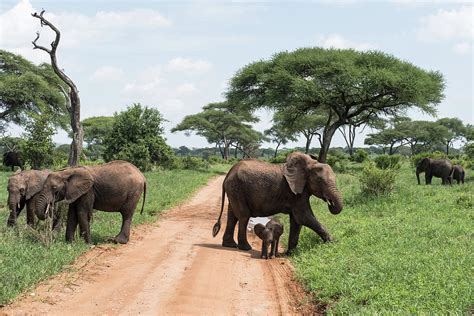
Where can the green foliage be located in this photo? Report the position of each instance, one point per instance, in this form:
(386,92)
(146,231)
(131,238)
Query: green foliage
(469,150)
(388,161)
(27,90)
(39,146)
(195,163)
(96,130)
(360,155)
(375,181)
(136,136)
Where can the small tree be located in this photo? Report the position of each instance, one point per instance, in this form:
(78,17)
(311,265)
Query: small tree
(96,130)
(456,130)
(136,136)
(280,135)
(38,148)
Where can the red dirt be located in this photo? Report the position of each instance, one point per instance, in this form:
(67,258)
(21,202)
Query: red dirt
(172,267)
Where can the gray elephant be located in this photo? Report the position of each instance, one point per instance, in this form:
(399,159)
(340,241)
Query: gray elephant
(440,168)
(256,188)
(23,188)
(112,187)
(270,236)
(458,174)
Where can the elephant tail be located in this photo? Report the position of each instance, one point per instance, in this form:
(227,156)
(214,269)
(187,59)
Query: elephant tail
(144,197)
(217,225)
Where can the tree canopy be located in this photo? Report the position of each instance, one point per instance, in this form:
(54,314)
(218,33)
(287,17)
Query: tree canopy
(354,86)
(27,90)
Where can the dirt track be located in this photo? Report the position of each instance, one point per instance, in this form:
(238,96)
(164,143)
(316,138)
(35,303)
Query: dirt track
(173,267)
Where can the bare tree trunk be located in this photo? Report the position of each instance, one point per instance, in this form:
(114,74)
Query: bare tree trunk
(73,101)
(327,137)
(349,137)
(276,149)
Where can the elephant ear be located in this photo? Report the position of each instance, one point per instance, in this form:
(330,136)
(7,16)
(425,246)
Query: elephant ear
(295,171)
(258,229)
(78,183)
(35,182)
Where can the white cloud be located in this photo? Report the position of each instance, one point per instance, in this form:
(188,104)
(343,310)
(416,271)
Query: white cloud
(463,48)
(338,41)
(188,65)
(448,25)
(107,73)
(186,88)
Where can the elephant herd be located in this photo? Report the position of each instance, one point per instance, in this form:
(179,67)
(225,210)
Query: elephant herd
(254,189)
(112,187)
(440,168)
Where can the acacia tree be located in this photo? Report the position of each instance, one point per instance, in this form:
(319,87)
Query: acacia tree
(96,129)
(27,90)
(220,123)
(348,131)
(354,87)
(280,135)
(456,130)
(73,103)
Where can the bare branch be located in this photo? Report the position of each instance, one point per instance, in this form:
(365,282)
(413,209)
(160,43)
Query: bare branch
(36,46)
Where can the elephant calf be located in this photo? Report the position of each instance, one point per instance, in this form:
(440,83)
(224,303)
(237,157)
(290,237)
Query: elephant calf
(270,235)
(112,187)
(458,174)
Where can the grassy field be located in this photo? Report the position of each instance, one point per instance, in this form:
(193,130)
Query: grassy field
(409,252)
(24,260)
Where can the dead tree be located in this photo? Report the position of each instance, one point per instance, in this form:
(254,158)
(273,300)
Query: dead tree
(73,103)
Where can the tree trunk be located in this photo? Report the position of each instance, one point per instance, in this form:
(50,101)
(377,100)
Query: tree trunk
(309,138)
(447,148)
(220,150)
(276,150)
(327,137)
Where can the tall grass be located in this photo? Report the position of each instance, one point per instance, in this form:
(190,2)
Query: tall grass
(403,253)
(27,257)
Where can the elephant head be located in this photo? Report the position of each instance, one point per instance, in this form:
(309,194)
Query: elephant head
(421,167)
(23,185)
(67,185)
(303,171)
(263,233)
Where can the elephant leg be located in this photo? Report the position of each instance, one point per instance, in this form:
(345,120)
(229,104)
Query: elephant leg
(275,251)
(272,249)
(56,221)
(308,219)
(228,239)
(124,235)
(11,221)
(71,223)
(242,234)
(295,230)
(264,249)
(30,214)
(84,227)
(428,178)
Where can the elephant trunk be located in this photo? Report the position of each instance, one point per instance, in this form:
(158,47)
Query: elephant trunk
(43,205)
(14,202)
(418,176)
(334,200)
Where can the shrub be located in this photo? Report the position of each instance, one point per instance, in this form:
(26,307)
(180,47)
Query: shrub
(360,155)
(388,161)
(38,148)
(375,181)
(278,159)
(469,150)
(338,161)
(194,163)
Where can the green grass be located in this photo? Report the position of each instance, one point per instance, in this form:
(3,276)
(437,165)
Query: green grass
(24,260)
(409,252)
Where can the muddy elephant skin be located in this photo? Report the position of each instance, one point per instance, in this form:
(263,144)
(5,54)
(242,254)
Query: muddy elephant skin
(440,168)
(23,188)
(256,188)
(112,187)
(270,236)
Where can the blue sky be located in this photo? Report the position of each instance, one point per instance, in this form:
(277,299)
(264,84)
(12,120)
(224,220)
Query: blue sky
(177,56)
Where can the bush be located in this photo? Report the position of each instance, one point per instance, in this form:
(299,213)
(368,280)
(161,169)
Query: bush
(338,162)
(388,161)
(194,163)
(375,181)
(360,156)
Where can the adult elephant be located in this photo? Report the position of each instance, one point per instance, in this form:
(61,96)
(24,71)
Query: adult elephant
(255,188)
(12,159)
(458,174)
(112,187)
(23,188)
(440,168)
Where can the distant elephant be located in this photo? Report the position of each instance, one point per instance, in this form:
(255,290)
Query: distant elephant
(12,159)
(458,174)
(23,188)
(112,187)
(440,168)
(270,236)
(256,188)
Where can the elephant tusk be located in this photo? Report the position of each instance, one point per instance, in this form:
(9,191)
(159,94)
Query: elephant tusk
(18,205)
(47,209)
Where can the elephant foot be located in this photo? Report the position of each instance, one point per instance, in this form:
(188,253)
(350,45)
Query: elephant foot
(229,244)
(120,239)
(327,238)
(245,246)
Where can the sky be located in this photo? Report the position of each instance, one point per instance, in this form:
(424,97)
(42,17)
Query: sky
(177,56)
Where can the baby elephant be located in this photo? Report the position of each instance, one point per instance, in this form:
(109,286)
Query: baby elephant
(270,235)
(458,174)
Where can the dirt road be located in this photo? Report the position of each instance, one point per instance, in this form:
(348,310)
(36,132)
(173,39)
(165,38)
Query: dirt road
(174,267)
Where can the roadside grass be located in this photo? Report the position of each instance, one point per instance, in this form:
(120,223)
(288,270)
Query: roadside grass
(408,252)
(25,260)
